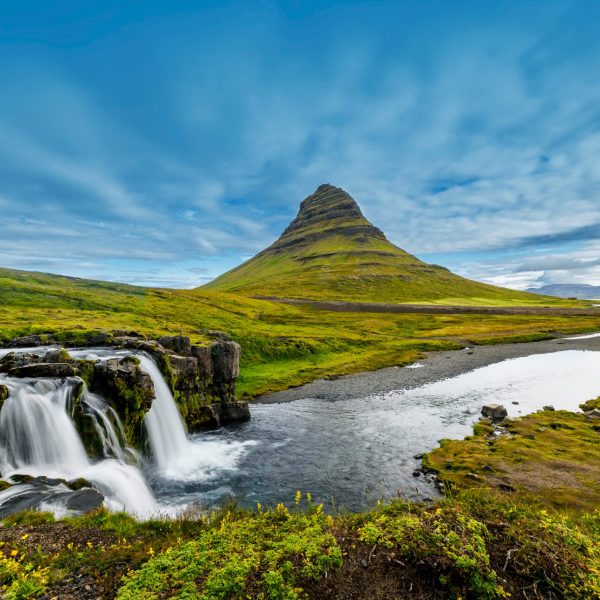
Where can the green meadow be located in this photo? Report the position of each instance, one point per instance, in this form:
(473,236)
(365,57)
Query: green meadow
(282,345)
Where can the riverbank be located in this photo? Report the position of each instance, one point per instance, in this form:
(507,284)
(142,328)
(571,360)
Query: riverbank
(433,367)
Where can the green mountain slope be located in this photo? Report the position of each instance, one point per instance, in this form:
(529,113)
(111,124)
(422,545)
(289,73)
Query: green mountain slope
(331,251)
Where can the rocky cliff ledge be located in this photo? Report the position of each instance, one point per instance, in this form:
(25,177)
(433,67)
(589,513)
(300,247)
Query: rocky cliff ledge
(201,378)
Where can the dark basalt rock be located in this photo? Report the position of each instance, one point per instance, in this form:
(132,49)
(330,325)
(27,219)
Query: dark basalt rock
(35,491)
(12,360)
(178,343)
(31,341)
(203,356)
(226,368)
(202,379)
(59,370)
(496,412)
(216,415)
(85,500)
(129,391)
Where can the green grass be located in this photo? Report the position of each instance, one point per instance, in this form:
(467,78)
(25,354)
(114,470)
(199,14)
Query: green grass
(282,345)
(550,458)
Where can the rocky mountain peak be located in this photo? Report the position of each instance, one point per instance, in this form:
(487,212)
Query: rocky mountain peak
(329,208)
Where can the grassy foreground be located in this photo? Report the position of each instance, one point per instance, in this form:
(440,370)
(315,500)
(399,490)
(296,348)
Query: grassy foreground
(482,540)
(475,544)
(282,345)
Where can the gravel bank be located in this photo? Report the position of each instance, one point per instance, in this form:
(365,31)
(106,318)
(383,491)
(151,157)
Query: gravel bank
(436,366)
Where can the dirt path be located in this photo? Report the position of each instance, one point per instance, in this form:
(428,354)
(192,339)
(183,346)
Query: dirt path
(338,306)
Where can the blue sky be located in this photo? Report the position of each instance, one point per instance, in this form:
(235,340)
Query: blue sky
(161,143)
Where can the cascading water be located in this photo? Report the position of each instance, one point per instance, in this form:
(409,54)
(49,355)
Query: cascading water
(166,430)
(37,437)
(176,456)
(109,428)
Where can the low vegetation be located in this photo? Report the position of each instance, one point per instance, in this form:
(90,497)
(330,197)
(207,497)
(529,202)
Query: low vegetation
(550,458)
(474,544)
(282,345)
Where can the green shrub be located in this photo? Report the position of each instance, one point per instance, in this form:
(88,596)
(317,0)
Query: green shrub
(263,555)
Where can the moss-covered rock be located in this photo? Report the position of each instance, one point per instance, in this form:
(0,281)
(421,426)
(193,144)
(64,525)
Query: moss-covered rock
(128,390)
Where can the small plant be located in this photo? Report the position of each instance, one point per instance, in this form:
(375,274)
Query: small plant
(267,554)
(19,579)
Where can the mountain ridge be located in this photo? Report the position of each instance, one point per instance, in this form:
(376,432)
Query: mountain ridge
(583,291)
(331,251)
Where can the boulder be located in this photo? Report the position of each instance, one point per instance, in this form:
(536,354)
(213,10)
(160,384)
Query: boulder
(593,414)
(84,500)
(178,343)
(216,415)
(3,393)
(548,407)
(44,370)
(496,412)
(233,412)
(12,360)
(56,355)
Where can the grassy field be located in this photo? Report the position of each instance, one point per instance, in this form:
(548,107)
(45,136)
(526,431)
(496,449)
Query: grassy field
(549,458)
(282,345)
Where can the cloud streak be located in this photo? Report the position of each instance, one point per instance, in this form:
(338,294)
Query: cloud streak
(165,141)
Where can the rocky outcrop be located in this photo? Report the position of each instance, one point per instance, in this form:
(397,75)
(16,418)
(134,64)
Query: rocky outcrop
(35,491)
(202,379)
(44,370)
(128,390)
(226,368)
(496,412)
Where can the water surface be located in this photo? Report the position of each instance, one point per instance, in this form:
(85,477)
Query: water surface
(362,449)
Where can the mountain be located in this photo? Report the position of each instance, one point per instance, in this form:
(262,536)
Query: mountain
(582,291)
(331,251)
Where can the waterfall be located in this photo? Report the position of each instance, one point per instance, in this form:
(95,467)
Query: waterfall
(176,456)
(37,437)
(168,437)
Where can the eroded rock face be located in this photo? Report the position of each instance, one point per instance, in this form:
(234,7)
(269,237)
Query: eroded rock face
(202,379)
(178,343)
(226,368)
(128,389)
(58,370)
(13,360)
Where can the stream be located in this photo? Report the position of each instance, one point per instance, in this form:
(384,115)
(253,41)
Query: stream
(346,453)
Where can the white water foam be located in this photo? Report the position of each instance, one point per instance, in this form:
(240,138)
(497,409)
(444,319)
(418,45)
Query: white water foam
(37,437)
(583,337)
(177,457)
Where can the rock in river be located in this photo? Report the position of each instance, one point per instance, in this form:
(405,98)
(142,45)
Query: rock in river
(496,412)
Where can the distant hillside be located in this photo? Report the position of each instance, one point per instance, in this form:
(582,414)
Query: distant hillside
(569,290)
(331,251)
